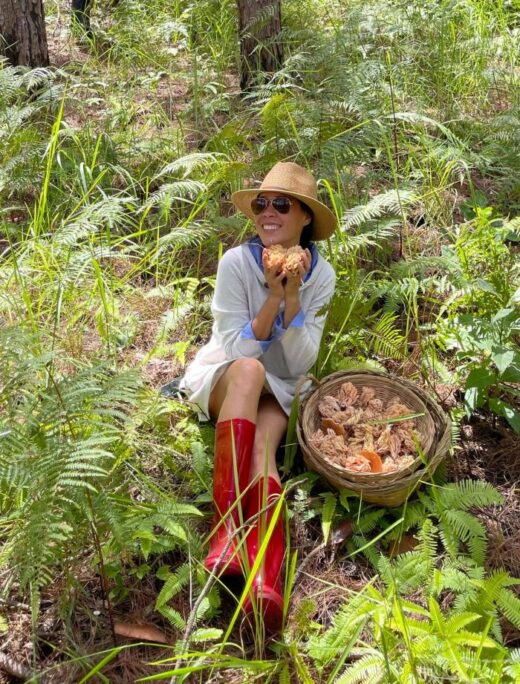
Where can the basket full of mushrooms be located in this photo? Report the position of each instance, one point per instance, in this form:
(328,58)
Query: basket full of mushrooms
(375,434)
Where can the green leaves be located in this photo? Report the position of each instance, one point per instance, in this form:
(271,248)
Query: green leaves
(490,357)
(61,437)
(460,529)
(327,514)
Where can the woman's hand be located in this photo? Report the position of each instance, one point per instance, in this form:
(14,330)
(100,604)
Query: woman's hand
(294,280)
(274,278)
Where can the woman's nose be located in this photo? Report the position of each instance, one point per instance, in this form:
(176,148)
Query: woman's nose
(269,211)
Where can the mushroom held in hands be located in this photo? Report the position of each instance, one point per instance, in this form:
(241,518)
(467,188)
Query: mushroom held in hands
(281,259)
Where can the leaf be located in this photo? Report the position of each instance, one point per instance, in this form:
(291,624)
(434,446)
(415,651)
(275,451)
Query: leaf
(502,357)
(407,543)
(327,514)
(173,616)
(173,585)
(502,408)
(512,373)
(141,632)
(342,531)
(477,382)
(504,314)
(206,634)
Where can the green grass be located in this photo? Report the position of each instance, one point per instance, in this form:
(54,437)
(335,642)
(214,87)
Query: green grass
(115,176)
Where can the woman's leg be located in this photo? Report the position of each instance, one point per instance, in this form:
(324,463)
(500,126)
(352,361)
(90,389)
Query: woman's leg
(238,391)
(266,597)
(271,424)
(234,403)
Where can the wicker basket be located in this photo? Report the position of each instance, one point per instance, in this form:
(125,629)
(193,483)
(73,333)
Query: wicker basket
(387,489)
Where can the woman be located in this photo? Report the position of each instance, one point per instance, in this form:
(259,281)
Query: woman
(267,329)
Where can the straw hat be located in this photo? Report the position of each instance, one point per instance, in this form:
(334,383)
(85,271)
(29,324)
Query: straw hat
(294,181)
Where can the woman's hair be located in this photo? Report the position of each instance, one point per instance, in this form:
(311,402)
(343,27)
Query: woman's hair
(308,230)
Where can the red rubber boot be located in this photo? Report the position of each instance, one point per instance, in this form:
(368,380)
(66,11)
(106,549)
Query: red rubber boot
(267,591)
(235,436)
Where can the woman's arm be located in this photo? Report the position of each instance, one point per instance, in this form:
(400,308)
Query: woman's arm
(301,339)
(233,328)
(263,322)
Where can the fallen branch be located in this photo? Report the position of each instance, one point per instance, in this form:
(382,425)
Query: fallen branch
(16,669)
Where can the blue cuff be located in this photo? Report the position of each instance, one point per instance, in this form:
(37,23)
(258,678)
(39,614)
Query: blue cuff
(248,334)
(297,322)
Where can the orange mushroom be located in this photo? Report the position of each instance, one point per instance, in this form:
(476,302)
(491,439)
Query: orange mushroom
(375,460)
(329,423)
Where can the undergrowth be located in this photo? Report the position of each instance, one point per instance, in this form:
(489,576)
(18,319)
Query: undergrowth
(116,171)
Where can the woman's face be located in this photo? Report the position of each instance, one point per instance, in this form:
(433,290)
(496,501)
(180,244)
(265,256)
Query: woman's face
(274,228)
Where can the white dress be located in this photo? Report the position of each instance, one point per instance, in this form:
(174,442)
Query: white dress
(240,292)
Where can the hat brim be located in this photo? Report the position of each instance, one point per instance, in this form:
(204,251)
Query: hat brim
(324,221)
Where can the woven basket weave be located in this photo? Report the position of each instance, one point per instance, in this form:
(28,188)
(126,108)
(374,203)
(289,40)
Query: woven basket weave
(386,489)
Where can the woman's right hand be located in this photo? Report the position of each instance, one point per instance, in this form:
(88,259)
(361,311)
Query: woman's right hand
(274,278)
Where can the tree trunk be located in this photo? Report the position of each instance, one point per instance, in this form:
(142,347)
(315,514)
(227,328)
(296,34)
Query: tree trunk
(261,49)
(22,32)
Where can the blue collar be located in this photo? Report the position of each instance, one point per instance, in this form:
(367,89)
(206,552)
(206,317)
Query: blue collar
(255,247)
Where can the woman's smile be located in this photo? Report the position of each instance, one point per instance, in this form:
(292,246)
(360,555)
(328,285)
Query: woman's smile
(275,227)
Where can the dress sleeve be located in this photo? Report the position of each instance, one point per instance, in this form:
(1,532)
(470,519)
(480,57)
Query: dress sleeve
(230,309)
(301,339)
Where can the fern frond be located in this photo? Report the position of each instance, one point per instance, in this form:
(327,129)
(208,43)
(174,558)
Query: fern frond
(190,163)
(509,604)
(173,585)
(184,236)
(387,202)
(469,530)
(388,340)
(470,493)
(347,624)
(179,191)
(370,668)
(173,616)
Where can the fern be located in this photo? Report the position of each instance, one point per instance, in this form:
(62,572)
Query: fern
(509,604)
(191,163)
(458,527)
(370,669)
(470,494)
(173,616)
(412,570)
(175,581)
(67,433)
(387,202)
(388,340)
(513,669)
(342,634)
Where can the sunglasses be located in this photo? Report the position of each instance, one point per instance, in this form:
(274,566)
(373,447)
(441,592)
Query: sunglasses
(280,204)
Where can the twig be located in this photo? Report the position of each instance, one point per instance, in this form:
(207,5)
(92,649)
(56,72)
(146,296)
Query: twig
(15,669)
(305,562)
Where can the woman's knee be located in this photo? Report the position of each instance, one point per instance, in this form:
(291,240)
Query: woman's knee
(246,375)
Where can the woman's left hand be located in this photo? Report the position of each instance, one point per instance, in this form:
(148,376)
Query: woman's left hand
(294,281)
